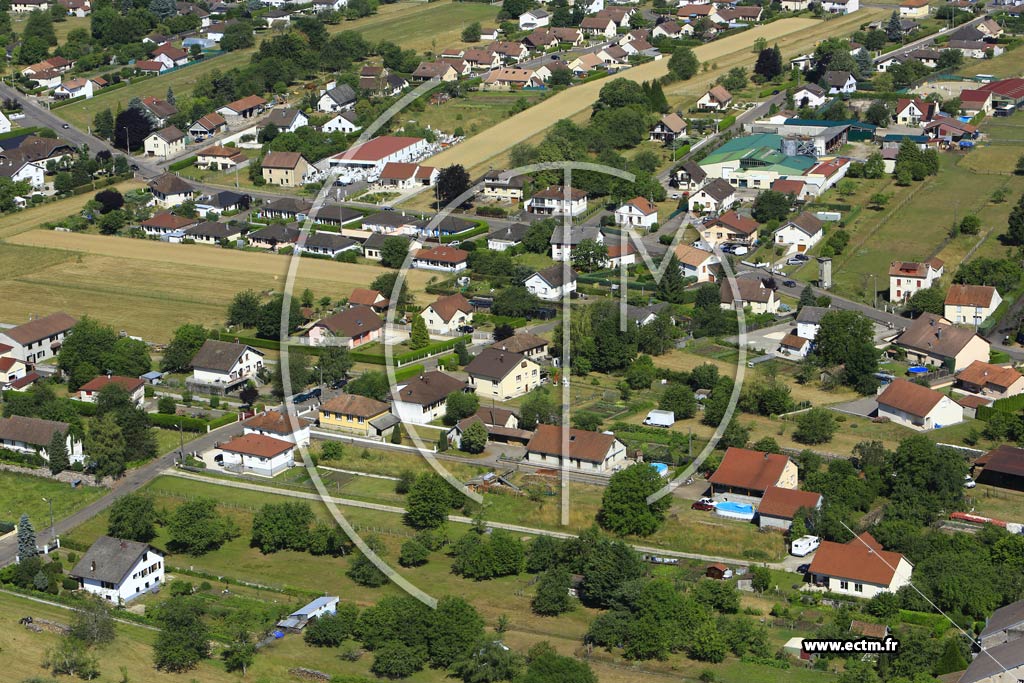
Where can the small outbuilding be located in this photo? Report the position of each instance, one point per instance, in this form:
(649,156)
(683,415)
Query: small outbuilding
(297,620)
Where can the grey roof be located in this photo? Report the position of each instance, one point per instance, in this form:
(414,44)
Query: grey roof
(169,183)
(30,430)
(213,230)
(40,328)
(813,88)
(513,233)
(1004,618)
(224,199)
(110,559)
(219,355)
(694,171)
(811,314)
(376,240)
(277,233)
(288,205)
(335,213)
(386,421)
(837,79)
(389,219)
(283,118)
(342,94)
(494,364)
(576,235)
(555,276)
(329,240)
(637,314)
(718,189)
(993,661)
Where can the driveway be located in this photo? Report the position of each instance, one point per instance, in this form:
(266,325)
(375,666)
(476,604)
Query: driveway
(864,407)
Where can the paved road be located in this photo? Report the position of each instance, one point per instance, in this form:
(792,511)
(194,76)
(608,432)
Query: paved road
(394,509)
(927,40)
(131,482)
(35,115)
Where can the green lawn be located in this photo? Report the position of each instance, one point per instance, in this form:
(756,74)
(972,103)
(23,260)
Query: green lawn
(23,494)
(473,113)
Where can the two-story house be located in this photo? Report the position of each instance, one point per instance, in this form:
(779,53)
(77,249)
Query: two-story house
(971,304)
(118,570)
(907,277)
(421,400)
(555,200)
(225,365)
(38,339)
(356,414)
(552,283)
(502,375)
(448,314)
(352,327)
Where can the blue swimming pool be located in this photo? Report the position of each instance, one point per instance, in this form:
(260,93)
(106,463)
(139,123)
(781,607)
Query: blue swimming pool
(661,468)
(917,369)
(734,510)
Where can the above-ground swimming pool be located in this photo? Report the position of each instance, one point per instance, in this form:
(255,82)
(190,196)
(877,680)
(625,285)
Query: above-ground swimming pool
(917,369)
(734,510)
(661,468)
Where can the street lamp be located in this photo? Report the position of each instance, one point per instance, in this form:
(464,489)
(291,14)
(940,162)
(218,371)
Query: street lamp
(53,532)
(874,290)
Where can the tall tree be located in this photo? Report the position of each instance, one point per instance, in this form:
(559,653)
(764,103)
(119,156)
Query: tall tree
(105,446)
(672,288)
(334,362)
(419,337)
(187,340)
(26,539)
(57,452)
(683,64)
(131,127)
(428,502)
(847,338)
(196,527)
(103,124)
(893,28)
(452,182)
(183,640)
(552,597)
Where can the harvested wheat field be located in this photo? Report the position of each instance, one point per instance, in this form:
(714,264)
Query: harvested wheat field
(22,221)
(149,288)
(792,35)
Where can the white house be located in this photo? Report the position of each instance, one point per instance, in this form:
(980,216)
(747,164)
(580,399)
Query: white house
(33,435)
(907,277)
(277,424)
(810,95)
(75,87)
(507,237)
(716,196)
(345,122)
(840,6)
(13,165)
(637,212)
(118,570)
(971,304)
(715,99)
(808,321)
(445,258)
(164,143)
(749,294)
(840,82)
(554,200)
(420,400)
(338,98)
(5,123)
(133,386)
(562,244)
(799,233)
(287,120)
(918,407)
(373,154)
(588,451)
(37,339)
(552,284)
(448,314)
(697,263)
(860,568)
(225,364)
(535,18)
(258,454)
(320,607)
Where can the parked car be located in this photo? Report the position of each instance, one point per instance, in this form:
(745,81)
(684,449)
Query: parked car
(789,283)
(803,569)
(794,261)
(703,504)
(465,329)
(969,482)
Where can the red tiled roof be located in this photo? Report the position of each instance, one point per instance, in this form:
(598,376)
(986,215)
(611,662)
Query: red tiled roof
(793,187)
(980,373)
(862,560)
(129,384)
(442,254)
(257,446)
(910,398)
(168,221)
(970,295)
(378,148)
(737,223)
(645,207)
(780,502)
(448,306)
(583,445)
(753,470)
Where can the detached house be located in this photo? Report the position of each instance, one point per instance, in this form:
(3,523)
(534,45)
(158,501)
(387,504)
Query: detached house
(338,98)
(533,19)
(915,112)
(971,304)
(554,200)
(907,277)
(502,375)
(38,339)
(779,506)
(637,212)
(729,227)
(344,122)
(508,237)
(750,293)
(552,284)
(800,233)
(165,224)
(330,244)
(690,176)
(421,399)
(669,128)
(356,414)
(207,126)
(287,169)
(225,365)
(118,570)
(33,435)
(716,196)
(448,259)
(749,474)
(352,327)
(986,379)
(587,451)
(809,95)
(164,143)
(932,340)
(918,407)
(287,120)
(245,108)
(529,345)
(840,6)
(220,158)
(258,454)
(170,190)
(448,314)
(562,243)
(860,568)
(840,82)
(716,99)
(504,186)
(597,26)
(170,56)
(697,263)
(133,386)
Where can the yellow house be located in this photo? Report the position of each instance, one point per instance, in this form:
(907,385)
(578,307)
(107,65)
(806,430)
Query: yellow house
(357,414)
(287,169)
(502,375)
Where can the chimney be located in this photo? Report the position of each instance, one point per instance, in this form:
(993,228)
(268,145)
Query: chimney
(938,333)
(124,546)
(92,566)
(766,455)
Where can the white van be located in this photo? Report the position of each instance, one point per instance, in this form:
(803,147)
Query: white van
(804,546)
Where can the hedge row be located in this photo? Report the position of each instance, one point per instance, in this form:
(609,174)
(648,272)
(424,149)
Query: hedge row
(408,371)
(1011,404)
(64,103)
(187,424)
(184,163)
(480,229)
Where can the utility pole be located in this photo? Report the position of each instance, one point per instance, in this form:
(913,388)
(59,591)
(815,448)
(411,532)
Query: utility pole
(53,532)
